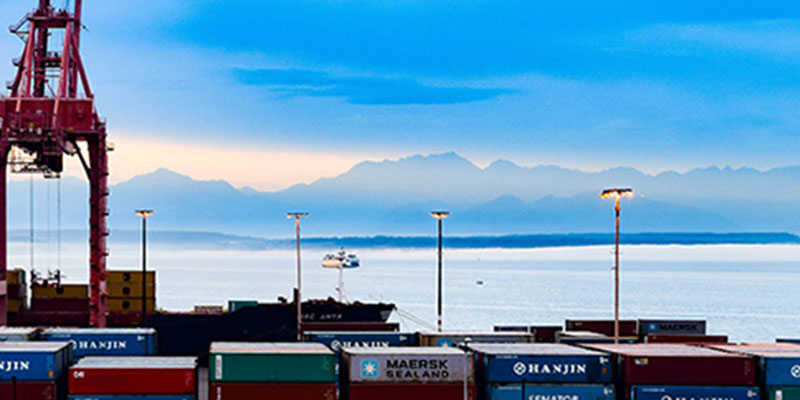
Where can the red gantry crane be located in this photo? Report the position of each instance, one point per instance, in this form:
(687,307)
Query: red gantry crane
(49,111)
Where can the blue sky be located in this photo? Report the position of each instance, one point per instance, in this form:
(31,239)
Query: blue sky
(588,84)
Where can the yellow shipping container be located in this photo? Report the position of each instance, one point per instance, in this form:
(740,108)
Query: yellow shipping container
(131,305)
(15,276)
(15,305)
(129,290)
(130,277)
(68,291)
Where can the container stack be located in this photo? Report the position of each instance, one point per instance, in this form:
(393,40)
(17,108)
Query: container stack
(18,333)
(133,378)
(125,296)
(778,367)
(536,371)
(339,340)
(455,339)
(673,371)
(33,370)
(275,371)
(105,341)
(401,373)
(17,292)
(66,304)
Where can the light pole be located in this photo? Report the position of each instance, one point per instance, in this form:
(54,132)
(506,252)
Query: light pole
(297,216)
(144,214)
(440,215)
(616,194)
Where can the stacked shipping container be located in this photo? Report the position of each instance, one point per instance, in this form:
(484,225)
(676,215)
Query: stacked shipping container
(778,367)
(105,341)
(125,296)
(542,371)
(17,292)
(401,373)
(339,340)
(454,339)
(278,371)
(18,334)
(33,370)
(668,371)
(128,378)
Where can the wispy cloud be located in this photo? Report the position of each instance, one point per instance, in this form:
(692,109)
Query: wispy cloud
(363,90)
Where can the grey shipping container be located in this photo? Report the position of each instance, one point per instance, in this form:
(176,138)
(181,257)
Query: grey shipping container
(454,339)
(18,334)
(406,365)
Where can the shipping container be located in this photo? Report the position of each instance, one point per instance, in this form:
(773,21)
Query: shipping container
(129,304)
(51,304)
(15,306)
(676,338)
(782,393)
(17,291)
(15,276)
(272,391)
(667,326)
(582,337)
(678,364)
(105,341)
(545,334)
(383,391)
(32,390)
(66,291)
(130,290)
(694,393)
(132,397)
(778,363)
(134,376)
(788,340)
(453,339)
(406,365)
(115,277)
(236,305)
(549,392)
(512,328)
(51,318)
(350,326)
(541,362)
(271,362)
(18,333)
(337,340)
(33,361)
(602,326)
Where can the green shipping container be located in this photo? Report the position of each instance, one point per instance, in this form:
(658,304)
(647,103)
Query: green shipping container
(783,392)
(236,305)
(271,362)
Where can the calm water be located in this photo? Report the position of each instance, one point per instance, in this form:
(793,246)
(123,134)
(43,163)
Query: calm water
(748,292)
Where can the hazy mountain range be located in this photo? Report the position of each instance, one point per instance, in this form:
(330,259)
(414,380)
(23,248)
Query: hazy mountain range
(394,198)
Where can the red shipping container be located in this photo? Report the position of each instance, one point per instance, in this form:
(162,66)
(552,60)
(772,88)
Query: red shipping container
(16,291)
(679,364)
(545,334)
(693,339)
(351,326)
(604,326)
(385,391)
(45,304)
(272,391)
(134,376)
(29,390)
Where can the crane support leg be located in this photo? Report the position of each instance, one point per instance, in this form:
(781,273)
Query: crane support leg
(98,199)
(3,236)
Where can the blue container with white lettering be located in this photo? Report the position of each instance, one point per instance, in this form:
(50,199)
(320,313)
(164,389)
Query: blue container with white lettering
(549,392)
(130,397)
(540,363)
(694,393)
(106,341)
(33,361)
(779,369)
(338,340)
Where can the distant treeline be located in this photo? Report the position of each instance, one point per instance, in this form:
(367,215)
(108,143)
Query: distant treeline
(216,240)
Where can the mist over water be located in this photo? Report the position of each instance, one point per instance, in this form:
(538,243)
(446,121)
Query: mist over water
(748,292)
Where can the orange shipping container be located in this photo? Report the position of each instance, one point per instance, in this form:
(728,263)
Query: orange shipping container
(69,291)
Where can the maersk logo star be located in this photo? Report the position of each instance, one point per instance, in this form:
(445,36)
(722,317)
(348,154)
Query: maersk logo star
(369,369)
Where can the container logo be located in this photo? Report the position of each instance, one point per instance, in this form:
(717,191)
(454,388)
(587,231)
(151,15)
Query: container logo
(336,345)
(564,369)
(346,344)
(445,342)
(795,371)
(369,369)
(520,368)
(99,345)
(14,365)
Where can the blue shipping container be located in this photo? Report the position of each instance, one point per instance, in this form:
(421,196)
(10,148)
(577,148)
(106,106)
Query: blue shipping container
(541,362)
(788,340)
(694,393)
(33,361)
(105,342)
(682,327)
(549,392)
(337,340)
(130,397)
(780,370)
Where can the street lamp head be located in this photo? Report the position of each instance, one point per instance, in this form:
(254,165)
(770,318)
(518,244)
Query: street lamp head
(144,213)
(296,214)
(440,214)
(616,193)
